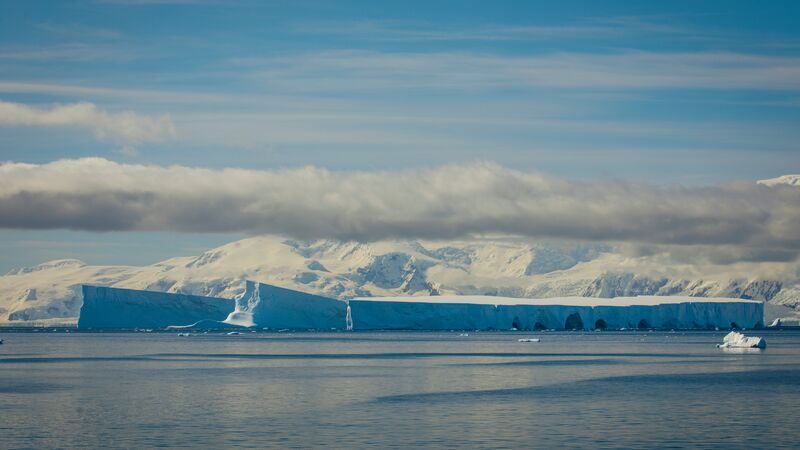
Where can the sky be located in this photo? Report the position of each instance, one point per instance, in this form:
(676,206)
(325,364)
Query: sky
(136,130)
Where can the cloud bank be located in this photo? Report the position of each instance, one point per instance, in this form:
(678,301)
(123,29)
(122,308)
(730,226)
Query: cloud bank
(127,128)
(747,219)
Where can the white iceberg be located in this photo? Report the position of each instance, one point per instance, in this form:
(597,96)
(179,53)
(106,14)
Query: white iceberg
(738,340)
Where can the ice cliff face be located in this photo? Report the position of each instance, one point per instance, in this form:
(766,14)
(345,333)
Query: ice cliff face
(271,307)
(483,313)
(105,307)
(500,267)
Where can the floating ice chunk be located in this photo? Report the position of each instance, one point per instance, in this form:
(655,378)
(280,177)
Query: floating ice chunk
(528,340)
(738,340)
(184,334)
(776,323)
(206,325)
(233,333)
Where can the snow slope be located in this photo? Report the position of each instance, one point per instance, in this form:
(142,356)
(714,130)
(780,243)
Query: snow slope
(499,267)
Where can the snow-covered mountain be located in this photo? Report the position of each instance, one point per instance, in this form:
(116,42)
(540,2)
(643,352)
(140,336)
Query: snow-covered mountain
(506,267)
(791,180)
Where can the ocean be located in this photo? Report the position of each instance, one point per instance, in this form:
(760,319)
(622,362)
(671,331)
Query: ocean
(398,390)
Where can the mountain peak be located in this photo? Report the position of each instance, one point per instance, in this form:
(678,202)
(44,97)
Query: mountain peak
(791,180)
(54,264)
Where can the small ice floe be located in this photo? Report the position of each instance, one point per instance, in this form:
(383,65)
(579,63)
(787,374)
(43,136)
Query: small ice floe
(184,334)
(776,323)
(528,340)
(463,335)
(233,333)
(738,340)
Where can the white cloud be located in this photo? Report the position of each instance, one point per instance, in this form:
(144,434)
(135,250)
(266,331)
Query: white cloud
(757,222)
(126,127)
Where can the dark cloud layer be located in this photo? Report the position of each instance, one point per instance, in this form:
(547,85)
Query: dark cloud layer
(448,202)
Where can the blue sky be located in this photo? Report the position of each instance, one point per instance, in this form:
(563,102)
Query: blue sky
(688,92)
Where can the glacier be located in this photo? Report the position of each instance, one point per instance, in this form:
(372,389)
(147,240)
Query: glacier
(272,307)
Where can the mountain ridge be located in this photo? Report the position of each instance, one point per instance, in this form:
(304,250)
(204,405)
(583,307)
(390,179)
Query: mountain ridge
(490,266)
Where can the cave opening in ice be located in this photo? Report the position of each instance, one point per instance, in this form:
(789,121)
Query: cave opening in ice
(573,322)
(643,324)
(600,324)
(516,324)
(734,326)
(538,326)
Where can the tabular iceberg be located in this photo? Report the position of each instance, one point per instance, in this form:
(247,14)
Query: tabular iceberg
(502,313)
(267,306)
(105,307)
(270,306)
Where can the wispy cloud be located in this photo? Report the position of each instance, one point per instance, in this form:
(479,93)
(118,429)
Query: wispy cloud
(448,202)
(406,31)
(132,94)
(585,29)
(360,70)
(126,127)
(76,30)
(160,2)
(71,52)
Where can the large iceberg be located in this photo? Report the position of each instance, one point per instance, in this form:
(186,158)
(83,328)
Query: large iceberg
(503,313)
(105,307)
(272,307)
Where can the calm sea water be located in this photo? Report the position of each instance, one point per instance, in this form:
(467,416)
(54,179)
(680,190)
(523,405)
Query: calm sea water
(397,390)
